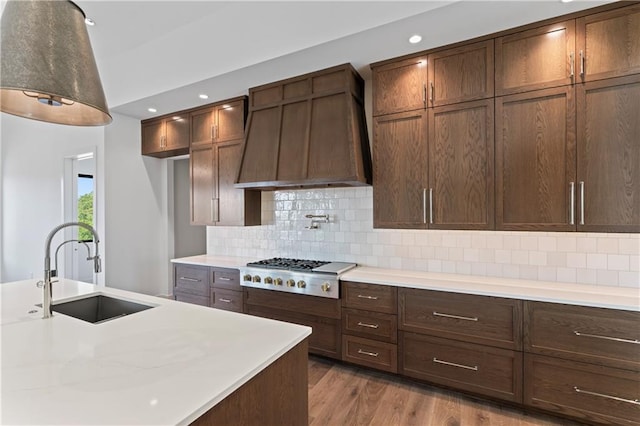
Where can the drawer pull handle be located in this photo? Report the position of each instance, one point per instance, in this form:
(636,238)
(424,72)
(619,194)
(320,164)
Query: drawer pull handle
(453,364)
(225,300)
(361,352)
(439,314)
(364,324)
(602,395)
(224,279)
(615,339)
(360,296)
(189,279)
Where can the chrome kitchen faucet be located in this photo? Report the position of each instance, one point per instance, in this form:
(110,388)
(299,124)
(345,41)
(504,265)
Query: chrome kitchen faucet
(46,284)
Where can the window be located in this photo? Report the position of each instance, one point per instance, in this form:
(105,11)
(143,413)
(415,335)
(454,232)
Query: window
(85,205)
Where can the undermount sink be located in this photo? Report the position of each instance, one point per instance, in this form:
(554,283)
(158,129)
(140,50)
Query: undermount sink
(98,308)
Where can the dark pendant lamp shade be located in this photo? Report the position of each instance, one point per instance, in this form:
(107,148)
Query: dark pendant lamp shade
(48,71)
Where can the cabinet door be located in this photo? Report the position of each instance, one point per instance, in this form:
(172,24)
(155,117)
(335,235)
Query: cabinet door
(535,160)
(202,186)
(608,150)
(400,86)
(229,121)
(609,43)
(202,126)
(152,137)
(536,59)
(400,170)
(177,133)
(461,74)
(461,166)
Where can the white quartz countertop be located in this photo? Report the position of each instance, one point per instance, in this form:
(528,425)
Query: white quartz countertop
(544,291)
(165,365)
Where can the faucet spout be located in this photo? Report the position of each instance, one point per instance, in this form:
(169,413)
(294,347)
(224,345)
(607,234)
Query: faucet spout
(46,304)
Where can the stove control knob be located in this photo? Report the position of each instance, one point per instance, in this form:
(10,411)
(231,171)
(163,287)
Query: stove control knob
(268,280)
(247,277)
(277,281)
(256,278)
(325,287)
(291,283)
(301,284)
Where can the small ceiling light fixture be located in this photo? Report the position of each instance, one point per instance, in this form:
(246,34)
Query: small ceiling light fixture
(47,68)
(90,22)
(566,1)
(203,96)
(415,39)
(152,110)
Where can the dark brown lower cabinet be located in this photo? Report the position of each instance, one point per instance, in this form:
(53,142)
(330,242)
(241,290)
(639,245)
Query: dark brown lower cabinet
(321,314)
(479,369)
(182,296)
(592,393)
(229,300)
(370,353)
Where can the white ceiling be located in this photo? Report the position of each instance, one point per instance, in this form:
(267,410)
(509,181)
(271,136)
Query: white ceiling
(162,54)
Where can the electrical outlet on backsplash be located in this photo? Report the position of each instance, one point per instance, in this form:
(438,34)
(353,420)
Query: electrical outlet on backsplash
(573,257)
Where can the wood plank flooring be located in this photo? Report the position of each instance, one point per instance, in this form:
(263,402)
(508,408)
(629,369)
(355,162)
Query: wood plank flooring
(341,394)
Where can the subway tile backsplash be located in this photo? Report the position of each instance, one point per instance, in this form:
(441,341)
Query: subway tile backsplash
(587,258)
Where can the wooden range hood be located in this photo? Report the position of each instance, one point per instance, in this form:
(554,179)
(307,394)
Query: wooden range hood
(307,131)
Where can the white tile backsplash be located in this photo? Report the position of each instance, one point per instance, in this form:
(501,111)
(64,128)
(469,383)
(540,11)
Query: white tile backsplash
(587,258)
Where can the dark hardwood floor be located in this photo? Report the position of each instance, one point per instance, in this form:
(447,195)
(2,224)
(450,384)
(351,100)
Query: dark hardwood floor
(341,394)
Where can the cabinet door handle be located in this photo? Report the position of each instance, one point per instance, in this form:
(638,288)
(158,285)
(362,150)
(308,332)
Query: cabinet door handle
(581,184)
(581,64)
(213,132)
(572,202)
(604,395)
(190,279)
(431,95)
(361,296)
(614,339)
(224,300)
(374,354)
(217,131)
(453,364)
(364,324)
(224,279)
(215,209)
(430,205)
(440,314)
(424,205)
(572,65)
(424,94)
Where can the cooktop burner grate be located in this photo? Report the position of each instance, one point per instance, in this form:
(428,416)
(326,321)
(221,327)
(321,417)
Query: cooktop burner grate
(288,264)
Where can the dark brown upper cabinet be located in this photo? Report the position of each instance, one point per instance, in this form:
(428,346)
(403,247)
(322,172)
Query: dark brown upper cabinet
(219,122)
(400,176)
(535,59)
(607,44)
(535,160)
(166,136)
(461,74)
(608,152)
(400,86)
(461,166)
(307,131)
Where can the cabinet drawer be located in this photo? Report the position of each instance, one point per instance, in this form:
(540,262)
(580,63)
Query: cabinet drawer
(370,297)
(479,369)
(593,393)
(478,319)
(311,305)
(191,298)
(229,300)
(370,353)
(192,279)
(226,278)
(597,335)
(373,325)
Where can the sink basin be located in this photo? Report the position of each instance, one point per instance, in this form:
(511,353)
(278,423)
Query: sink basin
(97,309)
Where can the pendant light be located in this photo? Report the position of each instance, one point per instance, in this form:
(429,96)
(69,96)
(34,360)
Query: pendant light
(47,69)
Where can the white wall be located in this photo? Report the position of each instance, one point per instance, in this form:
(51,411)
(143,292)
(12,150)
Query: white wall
(189,240)
(32,168)
(137,217)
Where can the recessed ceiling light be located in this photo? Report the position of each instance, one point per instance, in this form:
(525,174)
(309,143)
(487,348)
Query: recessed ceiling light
(89,22)
(566,1)
(203,96)
(152,110)
(415,39)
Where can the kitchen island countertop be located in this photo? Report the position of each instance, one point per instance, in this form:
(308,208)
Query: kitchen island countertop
(612,297)
(165,365)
